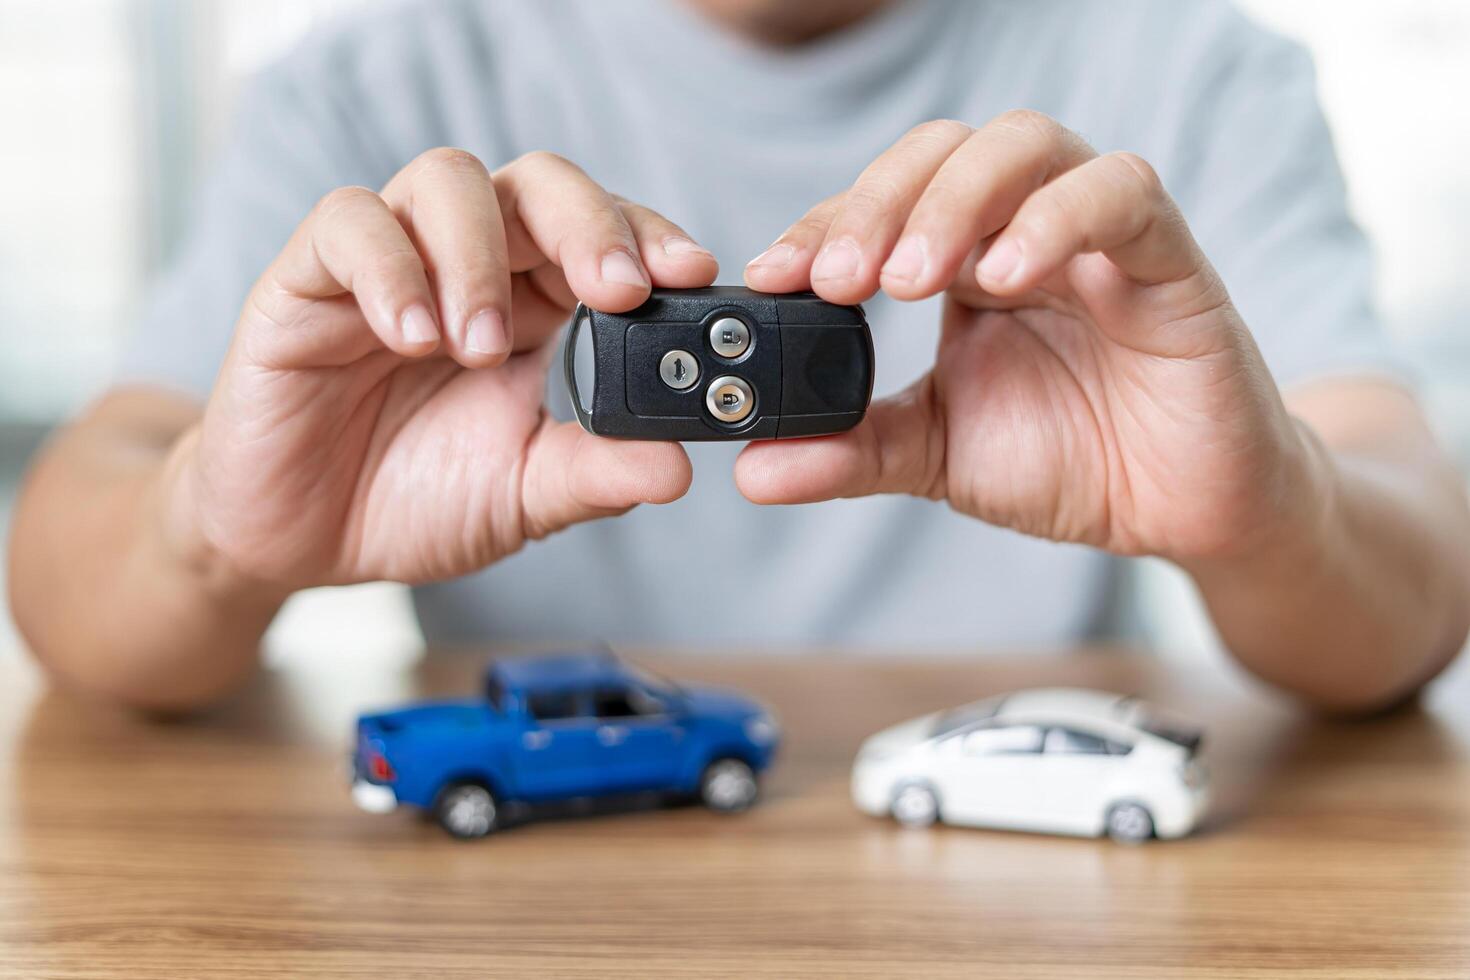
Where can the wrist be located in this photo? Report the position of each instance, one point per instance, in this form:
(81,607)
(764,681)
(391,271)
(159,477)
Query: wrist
(177,525)
(1293,531)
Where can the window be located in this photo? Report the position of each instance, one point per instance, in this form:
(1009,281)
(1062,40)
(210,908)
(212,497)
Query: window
(657,688)
(1181,735)
(1064,741)
(626,702)
(555,705)
(961,717)
(1010,740)
(612,702)
(494,691)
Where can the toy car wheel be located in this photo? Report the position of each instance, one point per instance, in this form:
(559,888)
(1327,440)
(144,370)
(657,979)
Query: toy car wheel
(466,810)
(728,786)
(1130,823)
(915,805)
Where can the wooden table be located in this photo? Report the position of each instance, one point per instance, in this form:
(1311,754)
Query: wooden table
(227,847)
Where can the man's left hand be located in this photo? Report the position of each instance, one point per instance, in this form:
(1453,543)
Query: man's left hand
(1093,381)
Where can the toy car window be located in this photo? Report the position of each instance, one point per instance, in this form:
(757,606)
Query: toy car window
(1064,741)
(554,705)
(1182,735)
(955,719)
(1007,740)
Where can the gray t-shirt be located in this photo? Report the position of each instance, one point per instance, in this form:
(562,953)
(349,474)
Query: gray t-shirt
(735,141)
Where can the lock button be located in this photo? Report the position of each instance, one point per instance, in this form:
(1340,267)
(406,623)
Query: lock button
(729,399)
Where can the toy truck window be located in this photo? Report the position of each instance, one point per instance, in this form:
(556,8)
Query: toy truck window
(1064,741)
(626,702)
(612,702)
(1004,740)
(555,705)
(494,692)
(654,686)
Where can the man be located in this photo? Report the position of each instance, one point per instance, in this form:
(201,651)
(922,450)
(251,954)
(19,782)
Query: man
(1052,312)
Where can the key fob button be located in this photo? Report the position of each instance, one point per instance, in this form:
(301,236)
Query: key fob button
(729,337)
(729,399)
(679,370)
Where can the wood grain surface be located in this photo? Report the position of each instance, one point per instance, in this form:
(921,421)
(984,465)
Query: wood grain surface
(227,846)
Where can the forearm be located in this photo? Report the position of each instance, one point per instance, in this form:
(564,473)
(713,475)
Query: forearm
(1366,599)
(106,601)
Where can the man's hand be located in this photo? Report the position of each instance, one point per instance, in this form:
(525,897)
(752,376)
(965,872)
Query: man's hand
(379,414)
(1093,382)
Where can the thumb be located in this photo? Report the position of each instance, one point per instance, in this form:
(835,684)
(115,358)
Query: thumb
(572,476)
(897,448)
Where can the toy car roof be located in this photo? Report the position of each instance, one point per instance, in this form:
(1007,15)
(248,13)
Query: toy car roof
(573,669)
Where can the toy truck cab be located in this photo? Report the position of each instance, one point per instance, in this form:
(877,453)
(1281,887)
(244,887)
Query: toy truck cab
(560,727)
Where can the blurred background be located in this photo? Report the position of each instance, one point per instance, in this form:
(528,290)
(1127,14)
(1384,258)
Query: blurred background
(111,108)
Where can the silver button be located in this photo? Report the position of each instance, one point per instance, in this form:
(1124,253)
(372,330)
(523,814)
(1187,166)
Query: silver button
(729,337)
(679,370)
(729,399)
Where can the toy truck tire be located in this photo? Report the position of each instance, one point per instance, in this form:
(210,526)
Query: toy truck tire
(466,809)
(728,785)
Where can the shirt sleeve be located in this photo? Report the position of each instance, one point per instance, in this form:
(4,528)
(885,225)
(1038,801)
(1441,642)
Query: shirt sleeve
(1257,175)
(294,137)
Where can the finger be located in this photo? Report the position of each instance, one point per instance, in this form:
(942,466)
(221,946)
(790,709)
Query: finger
(351,243)
(873,211)
(897,448)
(672,257)
(572,476)
(973,194)
(967,292)
(1114,204)
(447,202)
(786,266)
(554,212)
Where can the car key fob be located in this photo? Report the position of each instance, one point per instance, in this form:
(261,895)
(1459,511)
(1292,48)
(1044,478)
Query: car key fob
(722,362)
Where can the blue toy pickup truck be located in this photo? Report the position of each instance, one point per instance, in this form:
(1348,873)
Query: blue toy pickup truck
(550,728)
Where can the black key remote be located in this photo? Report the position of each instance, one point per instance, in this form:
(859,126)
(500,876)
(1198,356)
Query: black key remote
(723,362)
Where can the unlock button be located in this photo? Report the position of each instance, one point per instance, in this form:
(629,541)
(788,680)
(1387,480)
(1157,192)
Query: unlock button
(729,336)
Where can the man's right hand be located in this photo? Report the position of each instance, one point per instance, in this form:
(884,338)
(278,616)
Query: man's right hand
(379,415)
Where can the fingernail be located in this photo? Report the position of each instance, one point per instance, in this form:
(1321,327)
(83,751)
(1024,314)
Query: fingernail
(418,326)
(676,246)
(486,333)
(907,261)
(618,266)
(775,257)
(839,260)
(1002,262)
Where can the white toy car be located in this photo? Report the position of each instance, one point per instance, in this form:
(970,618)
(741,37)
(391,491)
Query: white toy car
(1057,761)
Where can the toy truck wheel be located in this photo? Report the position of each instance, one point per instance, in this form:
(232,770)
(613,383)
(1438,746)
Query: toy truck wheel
(466,810)
(728,786)
(1130,823)
(915,805)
